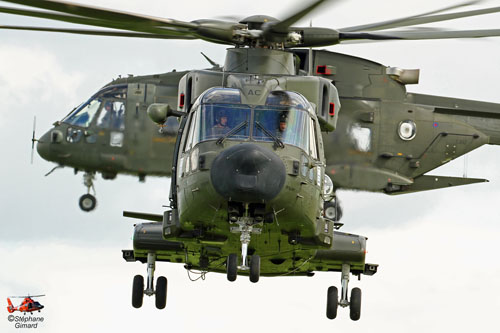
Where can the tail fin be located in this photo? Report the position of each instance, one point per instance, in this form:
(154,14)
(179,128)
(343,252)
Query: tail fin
(11,307)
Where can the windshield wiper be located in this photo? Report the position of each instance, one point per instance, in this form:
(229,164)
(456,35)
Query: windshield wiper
(277,140)
(231,132)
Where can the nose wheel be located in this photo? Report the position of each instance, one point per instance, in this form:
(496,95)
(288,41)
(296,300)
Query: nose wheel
(88,202)
(138,290)
(246,228)
(354,303)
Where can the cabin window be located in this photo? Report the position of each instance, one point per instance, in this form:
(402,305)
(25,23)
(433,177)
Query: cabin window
(116,139)
(361,137)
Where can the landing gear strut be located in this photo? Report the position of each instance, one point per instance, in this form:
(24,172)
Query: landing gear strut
(354,303)
(138,290)
(88,202)
(246,228)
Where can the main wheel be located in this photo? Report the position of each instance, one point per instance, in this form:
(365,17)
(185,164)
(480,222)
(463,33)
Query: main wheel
(137,291)
(333,210)
(355,304)
(332,302)
(232,267)
(161,292)
(87,202)
(255,268)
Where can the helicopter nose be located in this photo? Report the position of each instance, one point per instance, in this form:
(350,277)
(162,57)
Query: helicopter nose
(248,173)
(43,147)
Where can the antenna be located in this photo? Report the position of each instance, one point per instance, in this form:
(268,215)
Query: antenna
(213,63)
(309,58)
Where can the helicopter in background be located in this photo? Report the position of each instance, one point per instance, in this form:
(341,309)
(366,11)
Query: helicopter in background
(271,206)
(28,305)
(110,133)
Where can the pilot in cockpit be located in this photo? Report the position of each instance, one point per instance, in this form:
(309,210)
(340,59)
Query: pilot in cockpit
(111,118)
(282,125)
(221,125)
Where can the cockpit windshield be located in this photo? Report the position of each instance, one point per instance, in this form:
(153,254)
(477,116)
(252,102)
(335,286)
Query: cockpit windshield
(83,115)
(284,119)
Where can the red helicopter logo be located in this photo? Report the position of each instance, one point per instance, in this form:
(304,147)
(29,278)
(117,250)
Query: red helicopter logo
(27,305)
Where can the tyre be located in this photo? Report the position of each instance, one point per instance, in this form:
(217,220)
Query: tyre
(137,291)
(232,267)
(255,268)
(332,302)
(161,292)
(355,304)
(87,202)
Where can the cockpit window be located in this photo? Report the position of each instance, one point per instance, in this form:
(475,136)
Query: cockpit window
(218,120)
(284,119)
(290,125)
(84,114)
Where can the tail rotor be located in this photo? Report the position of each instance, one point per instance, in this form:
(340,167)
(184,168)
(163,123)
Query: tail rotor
(33,140)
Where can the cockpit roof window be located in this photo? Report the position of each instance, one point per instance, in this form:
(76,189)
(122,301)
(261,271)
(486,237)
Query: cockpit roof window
(287,98)
(114,92)
(222,96)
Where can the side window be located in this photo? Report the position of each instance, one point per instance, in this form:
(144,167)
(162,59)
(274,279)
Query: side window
(192,131)
(361,137)
(313,147)
(112,115)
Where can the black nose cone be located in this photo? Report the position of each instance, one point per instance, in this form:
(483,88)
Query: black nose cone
(248,173)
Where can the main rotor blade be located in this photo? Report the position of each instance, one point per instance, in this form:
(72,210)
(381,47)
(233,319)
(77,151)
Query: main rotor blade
(88,21)
(98,32)
(422,19)
(102,13)
(417,35)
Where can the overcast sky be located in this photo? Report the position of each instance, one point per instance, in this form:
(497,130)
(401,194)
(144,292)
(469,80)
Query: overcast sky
(439,268)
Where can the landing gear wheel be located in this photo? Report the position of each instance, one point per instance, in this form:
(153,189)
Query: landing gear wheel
(333,210)
(161,292)
(232,267)
(255,268)
(332,302)
(355,304)
(137,291)
(87,202)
